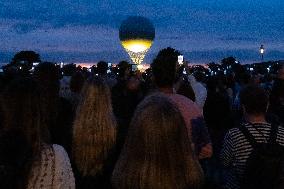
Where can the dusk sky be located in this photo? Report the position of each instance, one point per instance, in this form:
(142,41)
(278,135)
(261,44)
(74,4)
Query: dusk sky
(87,30)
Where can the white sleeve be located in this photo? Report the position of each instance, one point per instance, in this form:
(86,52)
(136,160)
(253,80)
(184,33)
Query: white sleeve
(63,178)
(200,94)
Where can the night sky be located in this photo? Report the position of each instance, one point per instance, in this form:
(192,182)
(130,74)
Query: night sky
(87,30)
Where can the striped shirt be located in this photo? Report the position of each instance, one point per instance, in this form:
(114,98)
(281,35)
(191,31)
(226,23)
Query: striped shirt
(236,150)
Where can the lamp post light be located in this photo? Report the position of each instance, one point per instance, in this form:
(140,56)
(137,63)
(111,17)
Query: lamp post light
(180,59)
(261,50)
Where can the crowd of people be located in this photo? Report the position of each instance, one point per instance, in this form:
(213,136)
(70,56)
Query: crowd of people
(170,127)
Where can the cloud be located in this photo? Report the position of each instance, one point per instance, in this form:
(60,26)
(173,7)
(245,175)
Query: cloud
(250,39)
(90,28)
(23,28)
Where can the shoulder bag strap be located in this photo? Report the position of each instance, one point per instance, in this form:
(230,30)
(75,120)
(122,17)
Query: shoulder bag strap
(273,133)
(248,135)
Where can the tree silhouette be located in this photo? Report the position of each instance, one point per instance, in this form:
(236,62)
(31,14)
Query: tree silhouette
(228,61)
(25,59)
(69,69)
(213,66)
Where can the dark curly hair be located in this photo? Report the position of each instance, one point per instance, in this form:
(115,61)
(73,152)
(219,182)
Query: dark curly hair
(254,99)
(164,67)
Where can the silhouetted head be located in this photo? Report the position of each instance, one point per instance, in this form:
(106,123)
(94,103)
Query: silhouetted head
(124,69)
(164,67)
(77,82)
(69,69)
(199,76)
(102,67)
(47,74)
(254,100)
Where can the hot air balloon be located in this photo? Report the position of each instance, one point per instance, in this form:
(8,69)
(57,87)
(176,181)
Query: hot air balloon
(136,34)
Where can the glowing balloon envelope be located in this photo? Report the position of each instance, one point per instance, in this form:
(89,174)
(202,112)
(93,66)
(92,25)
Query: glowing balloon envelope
(136,35)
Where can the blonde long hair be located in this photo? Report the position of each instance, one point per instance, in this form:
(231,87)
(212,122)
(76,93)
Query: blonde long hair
(94,132)
(157,153)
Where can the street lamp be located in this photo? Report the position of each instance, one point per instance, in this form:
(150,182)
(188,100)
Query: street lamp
(261,50)
(180,59)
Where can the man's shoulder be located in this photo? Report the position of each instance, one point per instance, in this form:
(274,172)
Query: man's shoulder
(234,131)
(181,98)
(234,134)
(185,104)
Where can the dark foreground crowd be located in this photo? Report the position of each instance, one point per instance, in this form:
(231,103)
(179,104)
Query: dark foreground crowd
(167,128)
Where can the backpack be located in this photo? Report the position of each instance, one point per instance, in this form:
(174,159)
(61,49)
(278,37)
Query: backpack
(264,167)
